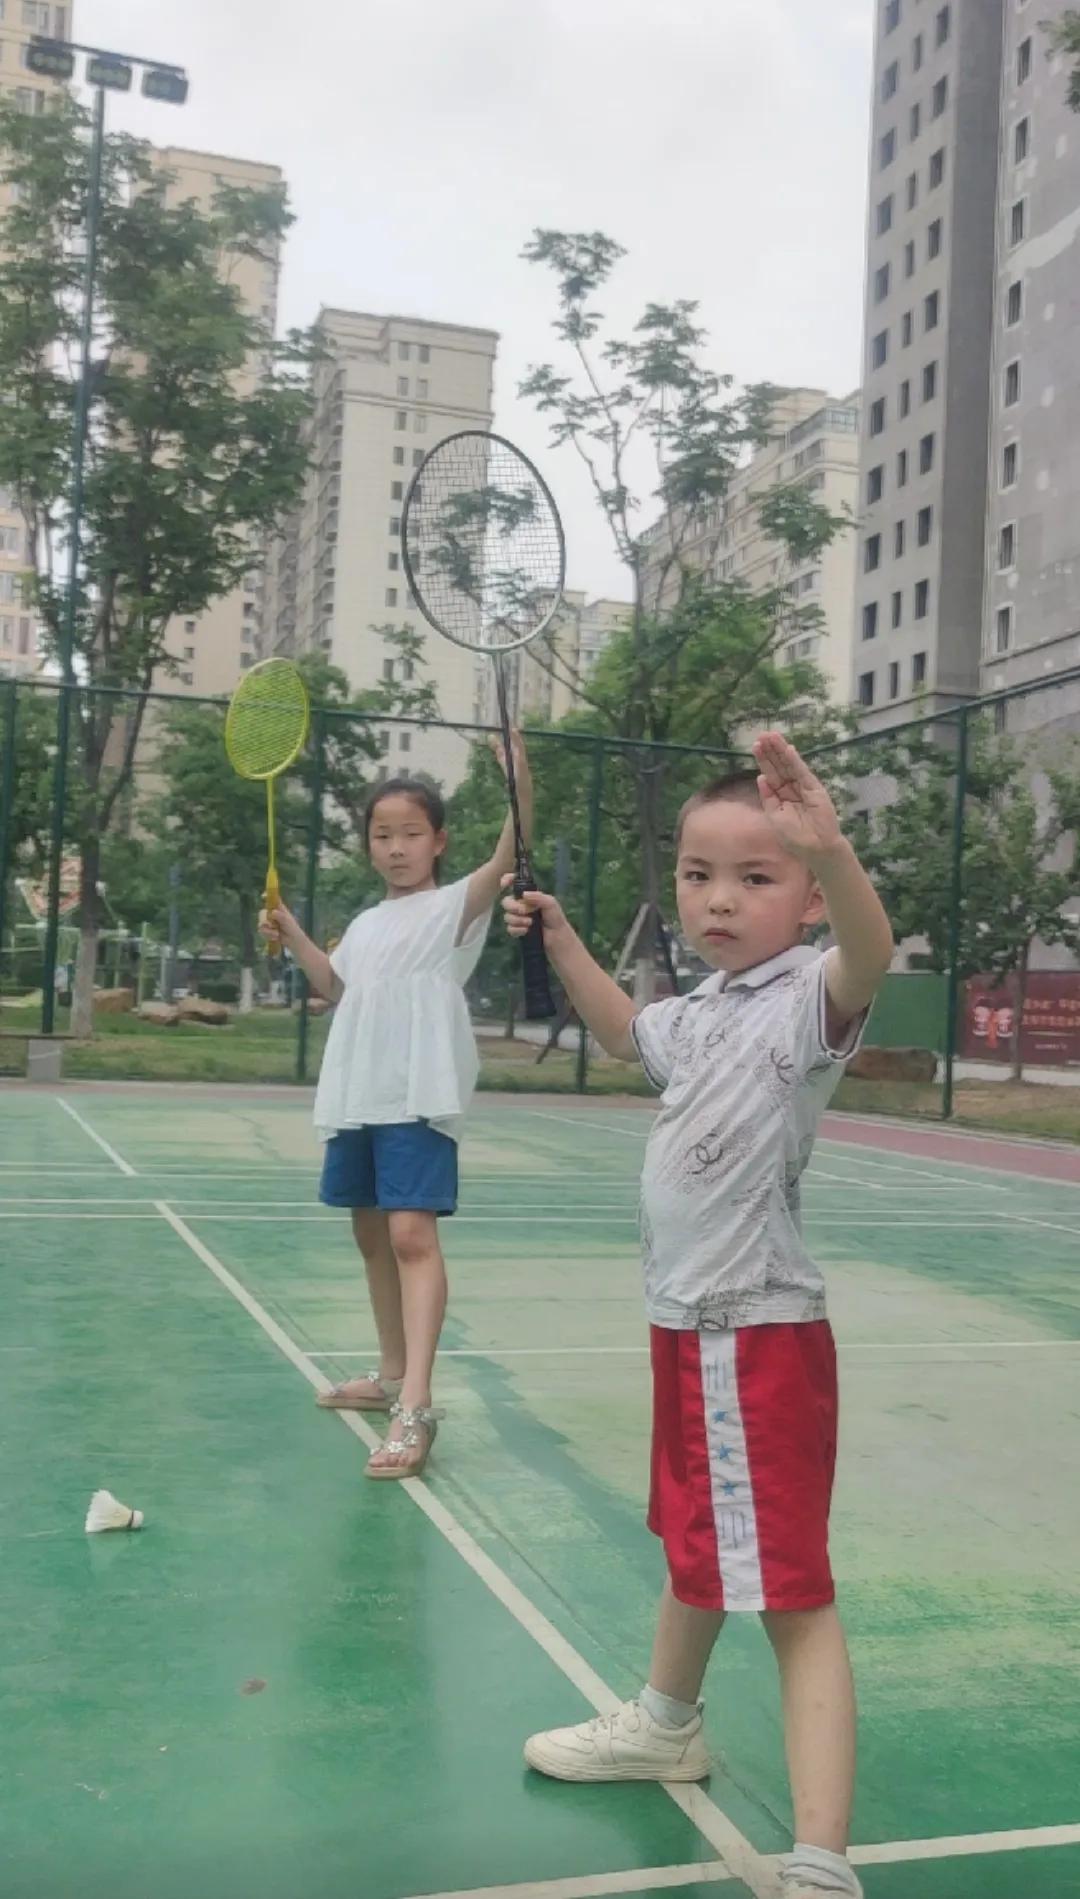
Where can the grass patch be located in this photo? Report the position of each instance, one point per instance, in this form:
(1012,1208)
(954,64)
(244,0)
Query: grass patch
(1001,1107)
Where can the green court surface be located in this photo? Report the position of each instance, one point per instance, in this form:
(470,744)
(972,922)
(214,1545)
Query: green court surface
(294,1684)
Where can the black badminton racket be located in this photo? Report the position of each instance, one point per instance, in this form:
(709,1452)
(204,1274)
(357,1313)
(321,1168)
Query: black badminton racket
(483,550)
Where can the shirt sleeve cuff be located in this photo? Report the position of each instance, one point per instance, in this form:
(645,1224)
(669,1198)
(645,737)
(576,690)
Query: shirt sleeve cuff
(638,1037)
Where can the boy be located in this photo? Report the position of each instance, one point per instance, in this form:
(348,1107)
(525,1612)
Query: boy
(744,1369)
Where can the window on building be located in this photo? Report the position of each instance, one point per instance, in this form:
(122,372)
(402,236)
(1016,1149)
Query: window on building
(1021,141)
(942,25)
(30,99)
(1010,464)
(932,310)
(425,353)
(929,382)
(875,484)
(917,53)
(902,468)
(870,620)
(401,420)
(1007,547)
(892,15)
(417,457)
(397,490)
(937,168)
(894,679)
(926,454)
(1018,222)
(1003,639)
(933,239)
(922,599)
(899,535)
(1014,304)
(388,670)
(393,561)
(188,679)
(939,97)
(871,553)
(399,458)
(925,526)
(404,351)
(7,631)
(1001,717)
(422,388)
(404,741)
(907,329)
(918,670)
(384,741)
(189,652)
(419,424)
(391,596)
(35,15)
(897,610)
(887,150)
(866,689)
(890,80)
(914,122)
(881,283)
(879,349)
(909,258)
(403,385)
(912,190)
(905,399)
(24,637)
(877,416)
(1012,385)
(395,524)
(1023,62)
(884,215)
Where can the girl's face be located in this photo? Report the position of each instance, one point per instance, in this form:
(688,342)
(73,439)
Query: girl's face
(404,845)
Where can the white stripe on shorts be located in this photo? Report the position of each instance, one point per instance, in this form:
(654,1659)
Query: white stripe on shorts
(737,1548)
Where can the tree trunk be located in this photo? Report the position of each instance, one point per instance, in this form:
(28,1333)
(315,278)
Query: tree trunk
(511,1008)
(1018,1015)
(247,955)
(82,1008)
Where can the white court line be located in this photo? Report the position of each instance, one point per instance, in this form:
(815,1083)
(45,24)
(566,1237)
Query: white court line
(576,1121)
(713,1825)
(540,1207)
(963,1845)
(593,1885)
(1052,1226)
(642,1351)
(117,1159)
(68,1200)
(79,1216)
(971,1167)
(460,1219)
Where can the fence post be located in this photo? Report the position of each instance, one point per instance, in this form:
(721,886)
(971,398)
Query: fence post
(310,873)
(592,871)
(952,1013)
(7,801)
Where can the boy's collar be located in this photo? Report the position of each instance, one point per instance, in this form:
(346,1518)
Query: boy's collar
(761,975)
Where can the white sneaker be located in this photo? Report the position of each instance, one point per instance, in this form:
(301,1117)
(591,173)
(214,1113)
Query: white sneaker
(626,1745)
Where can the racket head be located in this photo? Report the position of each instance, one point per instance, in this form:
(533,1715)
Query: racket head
(482,543)
(266,726)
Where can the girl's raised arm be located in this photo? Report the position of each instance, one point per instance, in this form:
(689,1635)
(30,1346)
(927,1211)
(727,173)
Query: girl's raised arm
(485,884)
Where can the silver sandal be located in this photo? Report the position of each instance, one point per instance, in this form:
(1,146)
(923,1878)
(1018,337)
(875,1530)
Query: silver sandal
(407,1437)
(388,1391)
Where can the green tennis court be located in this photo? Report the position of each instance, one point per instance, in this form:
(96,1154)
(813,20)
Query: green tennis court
(295,1682)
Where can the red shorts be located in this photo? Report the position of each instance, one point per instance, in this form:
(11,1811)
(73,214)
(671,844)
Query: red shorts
(743,1455)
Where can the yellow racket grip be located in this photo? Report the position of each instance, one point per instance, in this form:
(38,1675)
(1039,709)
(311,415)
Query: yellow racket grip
(272,902)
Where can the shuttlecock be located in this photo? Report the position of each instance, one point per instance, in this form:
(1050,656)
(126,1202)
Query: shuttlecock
(105,1513)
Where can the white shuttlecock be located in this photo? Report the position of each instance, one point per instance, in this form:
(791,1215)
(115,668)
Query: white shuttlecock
(105,1513)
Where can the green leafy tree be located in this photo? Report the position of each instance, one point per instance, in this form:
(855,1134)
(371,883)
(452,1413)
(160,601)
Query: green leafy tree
(1064,37)
(195,446)
(28,820)
(661,435)
(1021,867)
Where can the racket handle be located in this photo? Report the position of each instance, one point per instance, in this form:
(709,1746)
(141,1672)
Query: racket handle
(539,1002)
(272,902)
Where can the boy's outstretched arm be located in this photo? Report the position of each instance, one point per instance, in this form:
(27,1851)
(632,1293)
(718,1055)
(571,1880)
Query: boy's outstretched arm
(803,815)
(603,1007)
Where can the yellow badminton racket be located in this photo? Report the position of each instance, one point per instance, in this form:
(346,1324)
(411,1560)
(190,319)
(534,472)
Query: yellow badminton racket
(265,730)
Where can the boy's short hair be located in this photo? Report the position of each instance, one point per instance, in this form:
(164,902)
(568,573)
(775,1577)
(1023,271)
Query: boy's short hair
(736,787)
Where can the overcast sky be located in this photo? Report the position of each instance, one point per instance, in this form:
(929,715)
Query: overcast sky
(722,142)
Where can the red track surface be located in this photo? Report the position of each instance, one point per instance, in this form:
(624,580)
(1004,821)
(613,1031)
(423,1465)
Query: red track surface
(1036,1158)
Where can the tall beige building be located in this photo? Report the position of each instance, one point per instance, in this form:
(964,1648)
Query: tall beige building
(388,389)
(213,649)
(544,680)
(20,646)
(813,443)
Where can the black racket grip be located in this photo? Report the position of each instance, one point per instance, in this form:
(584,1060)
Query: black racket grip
(539,1002)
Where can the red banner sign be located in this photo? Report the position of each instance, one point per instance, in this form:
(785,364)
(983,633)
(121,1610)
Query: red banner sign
(1049,1032)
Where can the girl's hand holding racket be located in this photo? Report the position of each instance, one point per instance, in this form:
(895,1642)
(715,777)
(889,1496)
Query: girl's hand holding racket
(277,925)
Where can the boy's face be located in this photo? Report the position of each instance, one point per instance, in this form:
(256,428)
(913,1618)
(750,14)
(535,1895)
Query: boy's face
(742,899)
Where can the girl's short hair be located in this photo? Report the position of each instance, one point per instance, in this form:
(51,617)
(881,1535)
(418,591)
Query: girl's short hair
(422,793)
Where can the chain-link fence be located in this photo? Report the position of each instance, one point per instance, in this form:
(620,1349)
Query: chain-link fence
(966,817)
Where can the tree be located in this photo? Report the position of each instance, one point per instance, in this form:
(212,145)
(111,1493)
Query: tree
(1021,864)
(195,445)
(1064,37)
(28,819)
(697,661)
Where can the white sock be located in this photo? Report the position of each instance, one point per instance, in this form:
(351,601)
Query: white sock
(665,1710)
(824,1871)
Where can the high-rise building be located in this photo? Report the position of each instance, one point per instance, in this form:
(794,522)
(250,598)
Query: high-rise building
(212,650)
(20,645)
(1031,618)
(389,388)
(813,443)
(929,296)
(545,680)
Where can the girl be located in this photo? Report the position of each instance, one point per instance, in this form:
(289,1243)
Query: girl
(399,1068)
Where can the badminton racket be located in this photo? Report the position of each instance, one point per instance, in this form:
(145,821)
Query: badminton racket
(265,729)
(484,554)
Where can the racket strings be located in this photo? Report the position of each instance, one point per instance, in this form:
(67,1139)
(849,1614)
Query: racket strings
(267,720)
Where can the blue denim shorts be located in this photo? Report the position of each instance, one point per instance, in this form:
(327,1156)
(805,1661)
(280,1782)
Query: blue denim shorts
(404,1166)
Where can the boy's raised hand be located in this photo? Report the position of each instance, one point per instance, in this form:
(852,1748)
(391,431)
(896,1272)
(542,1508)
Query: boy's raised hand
(795,802)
